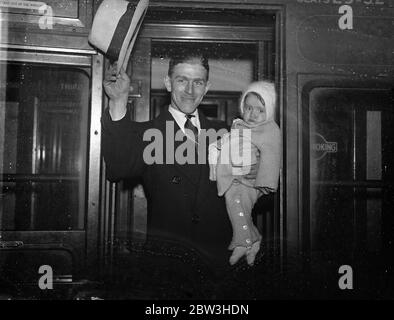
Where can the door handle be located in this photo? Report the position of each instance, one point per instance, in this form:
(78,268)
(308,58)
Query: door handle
(10,244)
(136,90)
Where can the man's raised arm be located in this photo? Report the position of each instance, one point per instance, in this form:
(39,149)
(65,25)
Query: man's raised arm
(122,145)
(117,89)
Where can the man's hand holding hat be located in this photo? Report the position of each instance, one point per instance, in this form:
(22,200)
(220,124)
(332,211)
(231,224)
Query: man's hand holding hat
(117,87)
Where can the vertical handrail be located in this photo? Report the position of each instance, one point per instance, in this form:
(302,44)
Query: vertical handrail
(93,199)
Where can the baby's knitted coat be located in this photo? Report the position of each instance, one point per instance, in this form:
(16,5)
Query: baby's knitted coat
(266,137)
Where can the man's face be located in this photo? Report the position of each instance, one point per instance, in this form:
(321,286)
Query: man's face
(188,84)
(254,110)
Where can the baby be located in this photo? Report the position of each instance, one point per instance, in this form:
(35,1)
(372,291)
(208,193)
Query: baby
(258,138)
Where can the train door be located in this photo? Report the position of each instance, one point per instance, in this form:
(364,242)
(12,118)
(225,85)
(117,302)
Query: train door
(242,47)
(350,177)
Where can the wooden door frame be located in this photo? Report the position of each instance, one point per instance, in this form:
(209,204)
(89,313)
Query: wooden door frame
(197,32)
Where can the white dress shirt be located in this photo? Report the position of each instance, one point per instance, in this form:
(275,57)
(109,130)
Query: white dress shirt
(180,118)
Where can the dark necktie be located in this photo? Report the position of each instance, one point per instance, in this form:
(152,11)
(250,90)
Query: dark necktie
(189,125)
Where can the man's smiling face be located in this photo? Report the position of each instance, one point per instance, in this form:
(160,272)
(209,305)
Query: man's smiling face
(188,84)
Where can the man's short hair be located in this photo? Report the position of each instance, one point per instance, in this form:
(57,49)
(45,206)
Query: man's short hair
(187,57)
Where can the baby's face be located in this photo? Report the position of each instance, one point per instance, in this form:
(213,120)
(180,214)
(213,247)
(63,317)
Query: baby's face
(254,110)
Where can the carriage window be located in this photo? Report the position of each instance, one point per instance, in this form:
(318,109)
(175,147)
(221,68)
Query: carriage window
(43,146)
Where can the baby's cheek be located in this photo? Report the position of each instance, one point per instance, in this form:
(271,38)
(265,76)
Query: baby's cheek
(262,117)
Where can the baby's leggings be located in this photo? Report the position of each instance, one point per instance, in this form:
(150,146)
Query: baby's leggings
(240,200)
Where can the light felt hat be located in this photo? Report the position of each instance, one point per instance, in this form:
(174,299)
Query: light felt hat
(115,28)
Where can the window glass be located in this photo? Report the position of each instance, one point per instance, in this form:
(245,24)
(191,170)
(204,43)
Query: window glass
(350,134)
(43,146)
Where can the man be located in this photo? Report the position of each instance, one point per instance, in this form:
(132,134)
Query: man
(182,202)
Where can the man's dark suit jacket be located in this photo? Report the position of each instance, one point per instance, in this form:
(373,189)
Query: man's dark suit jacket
(182,202)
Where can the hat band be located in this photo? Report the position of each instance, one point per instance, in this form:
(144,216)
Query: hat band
(120,33)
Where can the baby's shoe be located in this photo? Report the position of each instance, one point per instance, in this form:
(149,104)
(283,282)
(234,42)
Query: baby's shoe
(238,253)
(251,254)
